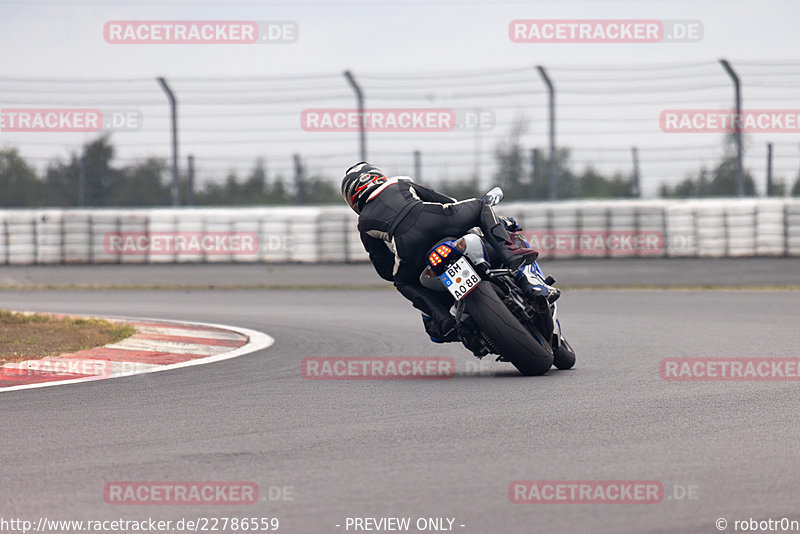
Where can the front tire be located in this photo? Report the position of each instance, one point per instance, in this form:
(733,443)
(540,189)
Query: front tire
(564,355)
(514,342)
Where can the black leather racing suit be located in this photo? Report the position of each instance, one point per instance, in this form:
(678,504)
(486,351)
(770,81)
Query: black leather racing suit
(398,226)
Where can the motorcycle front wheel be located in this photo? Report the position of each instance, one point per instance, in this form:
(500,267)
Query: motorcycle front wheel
(564,355)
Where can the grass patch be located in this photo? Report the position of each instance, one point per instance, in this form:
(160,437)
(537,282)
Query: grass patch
(26,336)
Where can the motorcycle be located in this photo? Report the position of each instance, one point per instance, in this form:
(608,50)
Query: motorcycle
(520,327)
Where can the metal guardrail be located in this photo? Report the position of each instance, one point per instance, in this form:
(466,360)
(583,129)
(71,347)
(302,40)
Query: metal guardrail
(623,228)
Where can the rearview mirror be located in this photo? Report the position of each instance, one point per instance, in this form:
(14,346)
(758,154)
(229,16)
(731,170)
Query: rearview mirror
(494,196)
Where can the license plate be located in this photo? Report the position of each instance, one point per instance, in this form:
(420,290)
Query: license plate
(460,278)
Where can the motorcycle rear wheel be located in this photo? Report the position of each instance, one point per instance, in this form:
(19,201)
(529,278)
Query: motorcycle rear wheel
(531,356)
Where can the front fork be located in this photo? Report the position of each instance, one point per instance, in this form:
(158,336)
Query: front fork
(544,303)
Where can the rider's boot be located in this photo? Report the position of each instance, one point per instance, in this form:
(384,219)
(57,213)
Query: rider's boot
(442,331)
(496,233)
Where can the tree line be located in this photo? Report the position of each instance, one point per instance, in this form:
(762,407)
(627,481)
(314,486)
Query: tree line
(147,182)
(91,178)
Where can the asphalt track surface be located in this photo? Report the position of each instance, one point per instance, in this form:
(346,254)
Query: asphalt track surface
(420,448)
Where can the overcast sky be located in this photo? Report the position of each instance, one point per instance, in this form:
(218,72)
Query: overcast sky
(65,40)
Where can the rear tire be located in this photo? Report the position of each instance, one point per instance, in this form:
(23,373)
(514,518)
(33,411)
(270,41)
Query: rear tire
(514,342)
(563,355)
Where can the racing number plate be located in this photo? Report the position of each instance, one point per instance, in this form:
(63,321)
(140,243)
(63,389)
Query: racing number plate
(460,278)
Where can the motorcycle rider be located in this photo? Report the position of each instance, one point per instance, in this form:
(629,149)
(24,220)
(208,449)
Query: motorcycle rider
(400,220)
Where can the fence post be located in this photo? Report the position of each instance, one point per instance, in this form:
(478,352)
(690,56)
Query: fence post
(173,104)
(418,165)
(737,128)
(362,134)
(553,195)
(637,190)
